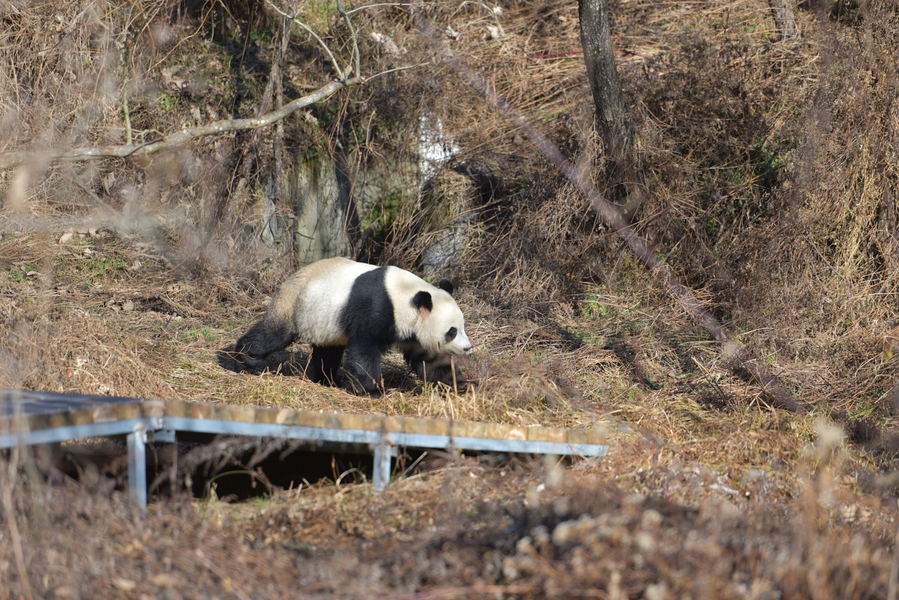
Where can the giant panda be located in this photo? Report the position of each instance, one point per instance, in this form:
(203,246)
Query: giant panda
(340,306)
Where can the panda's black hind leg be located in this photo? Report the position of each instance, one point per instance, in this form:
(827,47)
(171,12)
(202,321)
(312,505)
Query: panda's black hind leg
(324,364)
(262,339)
(363,367)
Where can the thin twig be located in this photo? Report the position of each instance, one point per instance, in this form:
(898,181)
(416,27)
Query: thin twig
(414,464)
(349,24)
(340,74)
(394,70)
(15,539)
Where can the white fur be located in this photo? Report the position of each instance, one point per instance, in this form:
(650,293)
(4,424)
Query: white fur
(428,327)
(313,298)
(317,294)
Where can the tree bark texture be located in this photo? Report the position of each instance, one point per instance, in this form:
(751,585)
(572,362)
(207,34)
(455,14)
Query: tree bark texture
(611,114)
(784,19)
(612,120)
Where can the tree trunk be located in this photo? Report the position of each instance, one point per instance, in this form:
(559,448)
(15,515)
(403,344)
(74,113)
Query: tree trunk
(612,120)
(599,56)
(784,19)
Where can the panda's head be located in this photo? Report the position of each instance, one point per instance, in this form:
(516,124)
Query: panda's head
(441,326)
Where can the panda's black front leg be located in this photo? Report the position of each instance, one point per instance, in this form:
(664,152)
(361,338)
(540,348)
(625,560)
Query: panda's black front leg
(324,364)
(431,366)
(363,366)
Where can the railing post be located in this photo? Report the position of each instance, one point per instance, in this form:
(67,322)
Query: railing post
(137,468)
(383,451)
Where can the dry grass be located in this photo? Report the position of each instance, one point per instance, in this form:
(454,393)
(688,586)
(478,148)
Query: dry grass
(771,168)
(467,529)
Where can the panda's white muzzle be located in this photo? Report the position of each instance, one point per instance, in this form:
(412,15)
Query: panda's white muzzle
(460,344)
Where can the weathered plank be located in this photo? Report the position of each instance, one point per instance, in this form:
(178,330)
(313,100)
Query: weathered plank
(26,411)
(28,417)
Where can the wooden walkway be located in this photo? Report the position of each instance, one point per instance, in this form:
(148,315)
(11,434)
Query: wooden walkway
(28,418)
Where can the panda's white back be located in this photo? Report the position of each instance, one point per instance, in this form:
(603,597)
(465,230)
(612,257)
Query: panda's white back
(321,291)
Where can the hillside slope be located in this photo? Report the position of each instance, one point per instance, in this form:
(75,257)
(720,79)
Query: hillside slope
(770,168)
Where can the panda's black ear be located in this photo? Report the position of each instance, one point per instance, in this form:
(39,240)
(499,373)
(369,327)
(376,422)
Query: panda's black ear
(447,286)
(422,300)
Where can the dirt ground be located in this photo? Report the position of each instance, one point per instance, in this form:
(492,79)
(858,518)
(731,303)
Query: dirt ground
(771,167)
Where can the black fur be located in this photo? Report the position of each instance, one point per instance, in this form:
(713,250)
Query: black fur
(423,299)
(262,339)
(324,364)
(367,320)
(431,366)
(447,286)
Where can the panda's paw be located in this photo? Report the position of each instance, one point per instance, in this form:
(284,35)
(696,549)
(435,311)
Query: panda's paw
(371,392)
(230,359)
(355,387)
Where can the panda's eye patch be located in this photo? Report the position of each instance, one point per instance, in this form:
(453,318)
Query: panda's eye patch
(451,334)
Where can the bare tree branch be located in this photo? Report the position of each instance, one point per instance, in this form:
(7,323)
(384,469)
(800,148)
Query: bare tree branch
(14,159)
(344,79)
(349,24)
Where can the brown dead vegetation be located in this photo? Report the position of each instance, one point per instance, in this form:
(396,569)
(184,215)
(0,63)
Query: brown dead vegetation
(771,170)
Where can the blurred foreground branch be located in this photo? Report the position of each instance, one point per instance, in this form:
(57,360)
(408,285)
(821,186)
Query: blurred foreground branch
(14,159)
(737,357)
